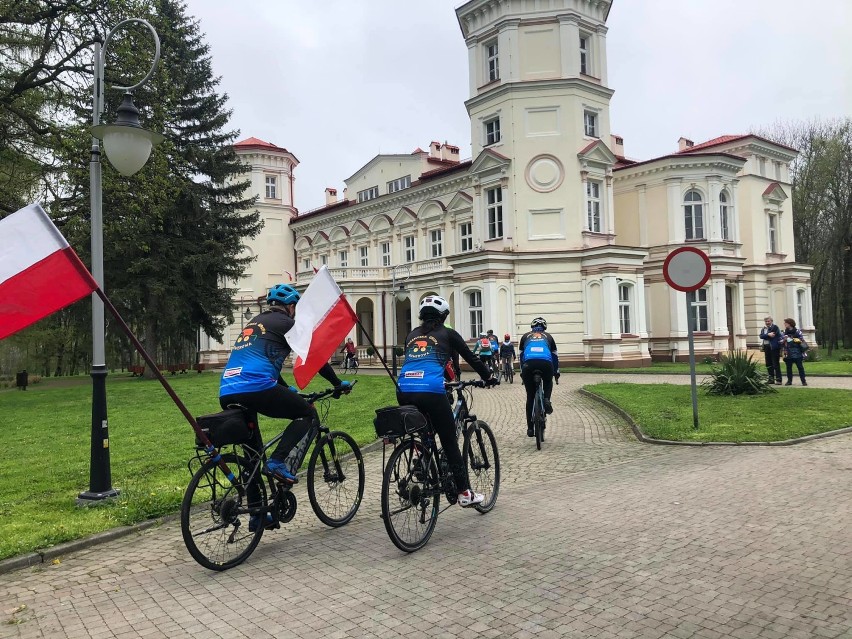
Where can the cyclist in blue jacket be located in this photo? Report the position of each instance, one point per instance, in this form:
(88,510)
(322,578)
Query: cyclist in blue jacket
(538,355)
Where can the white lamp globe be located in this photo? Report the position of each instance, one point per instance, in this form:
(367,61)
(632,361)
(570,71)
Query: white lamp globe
(127,148)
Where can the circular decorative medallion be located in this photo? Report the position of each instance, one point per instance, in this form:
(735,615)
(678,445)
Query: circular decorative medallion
(544,173)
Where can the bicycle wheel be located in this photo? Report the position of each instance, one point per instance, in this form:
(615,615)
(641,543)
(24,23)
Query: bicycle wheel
(411,492)
(214,518)
(483,463)
(511,374)
(538,418)
(354,366)
(336,483)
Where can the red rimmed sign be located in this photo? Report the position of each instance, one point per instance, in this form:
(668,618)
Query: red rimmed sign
(686,269)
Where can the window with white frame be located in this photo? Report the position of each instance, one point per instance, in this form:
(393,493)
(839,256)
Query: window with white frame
(386,255)
(624,308)
(693,216)
(492,61)
(724,216)
(306,264)
(494,204)
(474,306)
(343,259)
(323,260)
(492,131)
(408,243)
(698,309)
(773,233)
(585,56)
(466,233)
(590,124)
(593,206)
(368,194)
(271,187)
(436,241)
(800,307)
(399,184)
(362,256)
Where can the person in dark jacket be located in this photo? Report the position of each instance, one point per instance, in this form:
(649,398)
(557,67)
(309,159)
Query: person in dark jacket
(794,351)
(538,355)
(772,341)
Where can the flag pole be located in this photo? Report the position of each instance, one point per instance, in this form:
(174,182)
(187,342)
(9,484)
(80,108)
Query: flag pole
(376,350)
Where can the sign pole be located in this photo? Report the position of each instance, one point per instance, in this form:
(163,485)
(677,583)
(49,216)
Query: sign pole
(692,364)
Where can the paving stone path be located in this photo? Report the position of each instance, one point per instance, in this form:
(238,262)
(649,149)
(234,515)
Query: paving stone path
(595,535)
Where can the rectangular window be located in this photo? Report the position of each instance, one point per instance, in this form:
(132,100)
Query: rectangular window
(436,240)
(368,194)
(724,221)
(343,259)
(494,198)
(399,184)
(773,233)
(698,309)
(466,232)
(590,124)
(624,308)
(800,307)
(362,256)
(492,61)
(271,187)
(474,305)
(593,206)
(306,264)
(386,259)
(408,242)
(492,131)
(777,171)
(323,260)
(761,166)
(584,55)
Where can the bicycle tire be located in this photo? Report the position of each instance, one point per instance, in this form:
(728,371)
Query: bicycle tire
(339,455)
(355,367)
(410,488)
(483,463)
(538,414)
(213,516)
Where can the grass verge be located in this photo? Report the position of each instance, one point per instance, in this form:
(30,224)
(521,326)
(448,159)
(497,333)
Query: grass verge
(45,438)
(664,411)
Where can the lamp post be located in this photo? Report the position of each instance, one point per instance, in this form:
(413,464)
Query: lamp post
(248,312)
(128,147)
(402,295)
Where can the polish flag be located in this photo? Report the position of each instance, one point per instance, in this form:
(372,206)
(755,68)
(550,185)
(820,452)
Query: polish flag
(323,319)
(39,272)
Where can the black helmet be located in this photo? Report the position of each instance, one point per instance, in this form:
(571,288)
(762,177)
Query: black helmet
(539,322)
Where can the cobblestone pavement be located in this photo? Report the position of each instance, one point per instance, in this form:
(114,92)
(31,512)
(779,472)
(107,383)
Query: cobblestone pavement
(595,535)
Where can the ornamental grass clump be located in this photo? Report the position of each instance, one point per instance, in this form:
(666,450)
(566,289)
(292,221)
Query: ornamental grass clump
(737,374)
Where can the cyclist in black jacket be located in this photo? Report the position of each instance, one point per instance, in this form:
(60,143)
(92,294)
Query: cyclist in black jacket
(538,355)
(428,348)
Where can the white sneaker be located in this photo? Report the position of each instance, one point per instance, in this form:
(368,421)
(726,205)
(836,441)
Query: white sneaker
(469,498)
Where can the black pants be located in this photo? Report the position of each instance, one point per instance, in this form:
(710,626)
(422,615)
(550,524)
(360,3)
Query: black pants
(530,368)
(441,415)
(799,364)
(773,363)
(282,403)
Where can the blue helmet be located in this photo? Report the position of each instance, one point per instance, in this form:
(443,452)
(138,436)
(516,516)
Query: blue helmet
(282,294)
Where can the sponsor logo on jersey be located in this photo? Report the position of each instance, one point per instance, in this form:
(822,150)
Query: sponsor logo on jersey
(413,375)
(232,372)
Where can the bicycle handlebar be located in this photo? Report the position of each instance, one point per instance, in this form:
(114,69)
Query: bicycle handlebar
(337,391)
(459,385)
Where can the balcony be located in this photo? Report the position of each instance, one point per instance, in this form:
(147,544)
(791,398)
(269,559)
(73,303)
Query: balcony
(354,274)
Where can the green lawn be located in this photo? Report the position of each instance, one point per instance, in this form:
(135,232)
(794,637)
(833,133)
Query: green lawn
(664,411)
(45,439)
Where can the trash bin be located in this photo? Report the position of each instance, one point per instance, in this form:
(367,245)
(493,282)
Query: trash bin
(21,380)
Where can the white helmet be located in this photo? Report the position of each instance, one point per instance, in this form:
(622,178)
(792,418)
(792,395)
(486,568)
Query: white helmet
(436,303)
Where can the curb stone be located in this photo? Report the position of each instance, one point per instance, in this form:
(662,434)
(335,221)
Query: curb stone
(642,437)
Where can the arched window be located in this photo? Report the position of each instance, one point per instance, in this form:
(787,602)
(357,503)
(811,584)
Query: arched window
(801,307)
(693,216)
(724,215)
(624,310)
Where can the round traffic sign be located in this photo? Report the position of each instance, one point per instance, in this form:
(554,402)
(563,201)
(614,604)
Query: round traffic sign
(687,269)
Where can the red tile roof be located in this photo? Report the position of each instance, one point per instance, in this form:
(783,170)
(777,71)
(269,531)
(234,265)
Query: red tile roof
(724,139)
(771,188)
(255,143)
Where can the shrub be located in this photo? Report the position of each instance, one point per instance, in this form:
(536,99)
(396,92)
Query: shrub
(813,356)
(709,360)
(370,351)
(738,374)
(399,350)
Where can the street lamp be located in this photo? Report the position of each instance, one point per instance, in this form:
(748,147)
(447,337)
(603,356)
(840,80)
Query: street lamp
(128,147)
(402,295)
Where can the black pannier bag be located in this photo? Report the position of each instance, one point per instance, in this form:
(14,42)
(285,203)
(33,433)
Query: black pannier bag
(396,421)
(228,427)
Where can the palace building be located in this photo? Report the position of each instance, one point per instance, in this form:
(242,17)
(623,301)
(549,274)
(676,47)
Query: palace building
(548,216)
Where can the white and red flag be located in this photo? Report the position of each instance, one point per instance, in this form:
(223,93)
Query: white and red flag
(323,319)
(39,272)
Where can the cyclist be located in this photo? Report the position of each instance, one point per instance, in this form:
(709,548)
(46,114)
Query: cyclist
(495,349)
(252,377)
(351,352)
(538,355)
(484,350)
(428,349)
(507,349)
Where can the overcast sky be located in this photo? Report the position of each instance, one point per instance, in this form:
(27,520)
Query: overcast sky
(338,81)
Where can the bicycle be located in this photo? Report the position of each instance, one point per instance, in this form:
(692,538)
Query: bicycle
(417,472)
(216,511)
(349,365)
(539,414)
(508,370)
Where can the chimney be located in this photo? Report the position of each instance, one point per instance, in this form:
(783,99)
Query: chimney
(435,150)
(617,145)
(683,144)
(330,196)
(450,153)
(344,192)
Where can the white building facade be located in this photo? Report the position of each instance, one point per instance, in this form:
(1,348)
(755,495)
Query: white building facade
(548,217)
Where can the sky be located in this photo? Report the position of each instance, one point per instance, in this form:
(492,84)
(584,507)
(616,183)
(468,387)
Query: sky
(337,82)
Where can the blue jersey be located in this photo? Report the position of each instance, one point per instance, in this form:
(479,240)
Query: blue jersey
(426,356)
(258,355)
